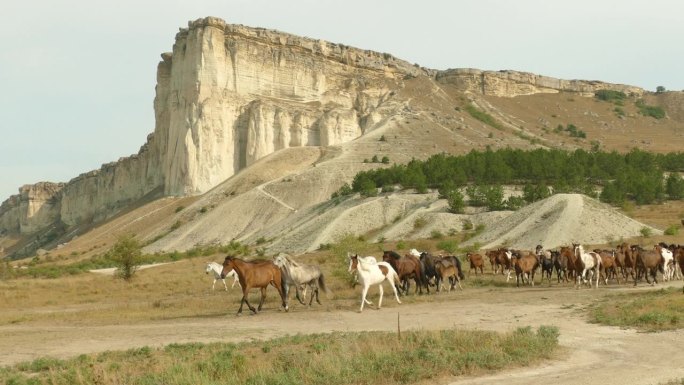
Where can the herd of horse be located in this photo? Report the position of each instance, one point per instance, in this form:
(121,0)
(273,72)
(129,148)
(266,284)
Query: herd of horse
(446,272)
(574,263)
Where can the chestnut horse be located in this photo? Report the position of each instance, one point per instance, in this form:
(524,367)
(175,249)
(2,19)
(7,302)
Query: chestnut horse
(407,267)
(608,265)
(501,257)
(256,274)
(525,264)
(567,253)
(476,262)
(449,268)
(625,259)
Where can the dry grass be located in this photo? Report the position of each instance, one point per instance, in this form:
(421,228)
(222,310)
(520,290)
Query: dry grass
(337,358)
(649,311)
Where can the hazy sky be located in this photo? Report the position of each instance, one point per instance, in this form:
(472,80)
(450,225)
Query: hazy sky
(77,77)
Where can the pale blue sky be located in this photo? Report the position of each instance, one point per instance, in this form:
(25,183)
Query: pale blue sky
(77,77)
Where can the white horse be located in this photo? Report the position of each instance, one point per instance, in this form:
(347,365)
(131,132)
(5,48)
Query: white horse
(669,267)
(216,269)
(590,262)
(301,276)
(370,272)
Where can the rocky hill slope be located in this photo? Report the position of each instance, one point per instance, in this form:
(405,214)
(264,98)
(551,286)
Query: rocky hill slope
(260,127)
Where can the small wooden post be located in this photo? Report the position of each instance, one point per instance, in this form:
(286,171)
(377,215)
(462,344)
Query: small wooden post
(398,327)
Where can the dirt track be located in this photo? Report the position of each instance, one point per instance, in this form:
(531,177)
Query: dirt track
(596,354)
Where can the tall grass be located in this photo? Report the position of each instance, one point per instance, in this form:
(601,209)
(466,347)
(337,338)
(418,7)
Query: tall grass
(650,311)
(329,359)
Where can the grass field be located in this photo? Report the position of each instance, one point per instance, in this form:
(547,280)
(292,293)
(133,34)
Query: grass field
(650,311)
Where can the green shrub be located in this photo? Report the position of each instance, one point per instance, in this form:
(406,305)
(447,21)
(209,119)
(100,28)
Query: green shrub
(672,230)
(652,111)
(610,95)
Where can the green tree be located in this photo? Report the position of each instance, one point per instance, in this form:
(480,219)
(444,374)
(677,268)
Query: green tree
(660,89)
(674,186)
(456,201)
(126,252)
(494,197)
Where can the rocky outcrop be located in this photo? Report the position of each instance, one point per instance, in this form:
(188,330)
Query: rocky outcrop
(35,207)
(513,83)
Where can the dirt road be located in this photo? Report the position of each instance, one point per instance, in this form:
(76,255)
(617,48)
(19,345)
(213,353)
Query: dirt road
(593,353)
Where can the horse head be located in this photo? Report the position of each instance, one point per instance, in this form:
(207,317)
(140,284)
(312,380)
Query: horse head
(353,261)
(228,265)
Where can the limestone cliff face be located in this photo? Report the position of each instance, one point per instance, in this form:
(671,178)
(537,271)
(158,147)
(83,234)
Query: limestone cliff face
(228,95)
(514,83)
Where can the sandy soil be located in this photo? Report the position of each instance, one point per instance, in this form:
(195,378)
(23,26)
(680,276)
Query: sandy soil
(600,354)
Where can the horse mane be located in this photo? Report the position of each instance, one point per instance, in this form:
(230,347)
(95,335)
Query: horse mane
(392,254)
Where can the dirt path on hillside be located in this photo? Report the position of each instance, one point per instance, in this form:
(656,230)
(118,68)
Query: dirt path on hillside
(592,353)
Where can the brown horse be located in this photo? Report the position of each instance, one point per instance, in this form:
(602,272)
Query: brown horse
(256,274)
(679,258)
(568,254)
(501,257)
(407,267)
(625,259)
(525,264)
(647,262)
(608,265)
(476,262)
(492,255)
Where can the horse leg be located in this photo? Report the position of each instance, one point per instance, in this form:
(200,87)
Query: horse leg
(364,292)
(212,286)
(381,290)
(396,295)
(245,300)
(224,284)
(263,297)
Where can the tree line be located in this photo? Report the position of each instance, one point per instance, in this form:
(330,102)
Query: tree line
(638,176)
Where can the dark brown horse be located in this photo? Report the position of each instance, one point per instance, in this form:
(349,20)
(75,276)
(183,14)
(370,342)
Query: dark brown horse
(568,254)
(647,262)
(679,258)
(546,262)
(476,262)
(491,255)
(256,274)
(407,267)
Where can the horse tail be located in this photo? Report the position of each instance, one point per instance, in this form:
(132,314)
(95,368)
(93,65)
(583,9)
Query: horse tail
(321,283)
(460,270)
(284,286)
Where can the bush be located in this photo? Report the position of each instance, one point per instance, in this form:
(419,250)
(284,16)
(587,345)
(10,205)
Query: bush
(646,232)
(450,246)
(419,223)
(436,234)
(652,111)
(610,95)
(456,202)
(126,253)
(672,230)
